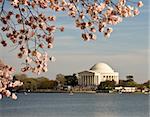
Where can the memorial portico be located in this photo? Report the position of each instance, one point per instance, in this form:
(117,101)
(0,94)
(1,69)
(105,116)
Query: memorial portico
(98,73)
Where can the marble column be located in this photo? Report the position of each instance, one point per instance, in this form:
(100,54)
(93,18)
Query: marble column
(91,80)
(85,80)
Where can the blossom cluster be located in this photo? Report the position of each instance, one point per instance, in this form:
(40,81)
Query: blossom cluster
(95,16)
(40,62)
(7,83)
(27,27)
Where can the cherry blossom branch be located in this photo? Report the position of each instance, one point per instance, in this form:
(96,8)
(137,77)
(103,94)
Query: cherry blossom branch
(7,82)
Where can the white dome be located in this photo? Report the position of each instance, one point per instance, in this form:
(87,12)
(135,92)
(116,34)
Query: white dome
(102,68)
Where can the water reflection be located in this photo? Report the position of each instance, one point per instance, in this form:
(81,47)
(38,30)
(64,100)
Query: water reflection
(78,105)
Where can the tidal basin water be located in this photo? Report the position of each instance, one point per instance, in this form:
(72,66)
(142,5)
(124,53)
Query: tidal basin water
(77,105)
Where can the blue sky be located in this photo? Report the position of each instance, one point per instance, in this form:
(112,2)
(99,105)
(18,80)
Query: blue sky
(126,51)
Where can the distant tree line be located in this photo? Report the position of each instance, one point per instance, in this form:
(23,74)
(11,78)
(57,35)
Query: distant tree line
(44,83)
(34,84)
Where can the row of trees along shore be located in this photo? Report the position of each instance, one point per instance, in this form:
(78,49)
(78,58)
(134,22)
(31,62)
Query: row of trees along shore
(43,83)
(33,84)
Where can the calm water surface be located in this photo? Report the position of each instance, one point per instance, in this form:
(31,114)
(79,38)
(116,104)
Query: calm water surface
(78,105)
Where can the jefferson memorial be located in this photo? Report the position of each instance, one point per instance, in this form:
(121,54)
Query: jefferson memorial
(98,73)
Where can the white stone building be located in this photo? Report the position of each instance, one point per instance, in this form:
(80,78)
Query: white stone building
(98,73)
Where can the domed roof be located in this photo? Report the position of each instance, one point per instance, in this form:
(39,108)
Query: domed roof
(102,68)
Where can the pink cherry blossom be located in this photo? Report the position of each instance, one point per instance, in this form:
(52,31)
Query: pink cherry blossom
(136,12)
(14,97)
(140,4)
(1,96)
(6,80)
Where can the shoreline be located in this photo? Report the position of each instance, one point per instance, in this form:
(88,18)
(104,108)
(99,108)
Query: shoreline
(55,91)
(80,92)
